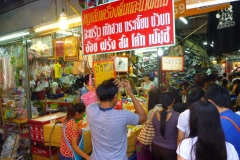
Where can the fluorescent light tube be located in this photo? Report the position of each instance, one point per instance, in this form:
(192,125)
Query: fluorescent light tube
(56,24)
(204,43)
(184,20)
(14,35)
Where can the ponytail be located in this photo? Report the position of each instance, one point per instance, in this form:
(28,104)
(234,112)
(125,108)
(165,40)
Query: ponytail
(73,108)
(163,122)
(167,99)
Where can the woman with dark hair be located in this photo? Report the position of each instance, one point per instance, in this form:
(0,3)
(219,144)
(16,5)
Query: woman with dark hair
(180,107)
(71,133)
(202,80)
(206,140)
(164,122)
(193,94)
(147,85)
(176,94)
(153,98)
(153,101)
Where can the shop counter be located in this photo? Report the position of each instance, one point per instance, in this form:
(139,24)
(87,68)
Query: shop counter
(36,125)
(63,101)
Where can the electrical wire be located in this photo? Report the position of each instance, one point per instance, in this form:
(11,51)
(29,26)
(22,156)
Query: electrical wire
(47,12)
(49,145)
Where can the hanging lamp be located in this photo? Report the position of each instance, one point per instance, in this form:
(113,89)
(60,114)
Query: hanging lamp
(63,23)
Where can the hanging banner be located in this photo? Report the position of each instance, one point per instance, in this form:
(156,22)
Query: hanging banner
(172,63)
(130,24)
(181,11)
(103,70)
(205,3)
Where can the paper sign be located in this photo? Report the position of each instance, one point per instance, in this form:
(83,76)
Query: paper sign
(128,24)
(172,63)
(103,70)
(181,11)
(121,64)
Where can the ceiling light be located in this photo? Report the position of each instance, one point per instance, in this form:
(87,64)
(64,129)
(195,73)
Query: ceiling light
(184,20)
(204,43)
(65,32)
(63,23)
(146,50)
(160,52)
(14,35)
(56,24)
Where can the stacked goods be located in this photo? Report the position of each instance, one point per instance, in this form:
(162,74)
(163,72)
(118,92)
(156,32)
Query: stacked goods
(37,134)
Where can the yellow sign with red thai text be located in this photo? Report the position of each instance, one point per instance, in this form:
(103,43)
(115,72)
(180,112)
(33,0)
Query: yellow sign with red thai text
(103,70)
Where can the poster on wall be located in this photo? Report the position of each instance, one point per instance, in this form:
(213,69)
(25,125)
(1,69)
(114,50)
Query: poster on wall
(121,64)
(126,25)
(67,47)
(205,3)
(103,70)
(172,63)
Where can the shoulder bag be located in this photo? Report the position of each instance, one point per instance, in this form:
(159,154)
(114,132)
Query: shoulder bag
(147,133)
(236,126)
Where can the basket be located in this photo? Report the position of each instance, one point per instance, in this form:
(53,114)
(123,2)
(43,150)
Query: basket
(57,137)
(131,145)
(89,98)
(41,95)
(53,106)
(87,142)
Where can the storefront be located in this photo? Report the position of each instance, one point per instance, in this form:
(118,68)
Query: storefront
(44,72)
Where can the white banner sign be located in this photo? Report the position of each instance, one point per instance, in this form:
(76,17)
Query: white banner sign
(172,63)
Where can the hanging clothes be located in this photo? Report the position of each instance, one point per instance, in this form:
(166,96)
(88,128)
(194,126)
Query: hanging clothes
(57,68)
(224,29)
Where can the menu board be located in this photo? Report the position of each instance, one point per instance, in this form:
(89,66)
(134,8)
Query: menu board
(103,70)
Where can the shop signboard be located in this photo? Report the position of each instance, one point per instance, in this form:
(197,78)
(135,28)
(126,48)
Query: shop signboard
(203,3)
(128,24)
(103,70)
(181,11)
(172,63)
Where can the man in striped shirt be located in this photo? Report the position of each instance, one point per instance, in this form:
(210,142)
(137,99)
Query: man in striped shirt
(108,126)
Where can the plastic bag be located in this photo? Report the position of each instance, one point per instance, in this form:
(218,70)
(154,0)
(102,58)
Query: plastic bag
(8,146)
(8,74)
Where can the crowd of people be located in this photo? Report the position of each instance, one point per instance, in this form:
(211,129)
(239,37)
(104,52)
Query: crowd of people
(202,124)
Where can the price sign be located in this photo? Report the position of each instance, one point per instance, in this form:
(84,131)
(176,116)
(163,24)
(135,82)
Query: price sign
(181,11)
(172,63)
(103,70)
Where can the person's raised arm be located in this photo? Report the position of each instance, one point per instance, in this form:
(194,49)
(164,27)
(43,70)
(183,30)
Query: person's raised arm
(139,109)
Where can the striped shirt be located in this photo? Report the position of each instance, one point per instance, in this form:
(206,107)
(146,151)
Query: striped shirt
(109,131)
